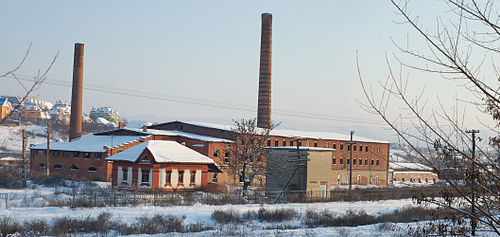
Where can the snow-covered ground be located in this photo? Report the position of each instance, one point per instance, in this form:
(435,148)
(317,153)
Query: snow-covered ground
(31,204)
(11,139)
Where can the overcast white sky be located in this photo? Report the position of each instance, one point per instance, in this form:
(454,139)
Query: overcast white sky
(207,52)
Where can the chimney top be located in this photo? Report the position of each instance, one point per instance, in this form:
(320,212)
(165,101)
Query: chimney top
(120,124)
(267,14)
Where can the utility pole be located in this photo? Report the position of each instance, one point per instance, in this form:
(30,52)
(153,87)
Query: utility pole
(25,142)
(298,140)
(350,143)
(473,181)
(48,150)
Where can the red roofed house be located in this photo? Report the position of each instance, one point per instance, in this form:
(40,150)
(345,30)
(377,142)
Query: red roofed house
(161,165)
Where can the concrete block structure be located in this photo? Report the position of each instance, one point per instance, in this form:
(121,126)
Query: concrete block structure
(307,168)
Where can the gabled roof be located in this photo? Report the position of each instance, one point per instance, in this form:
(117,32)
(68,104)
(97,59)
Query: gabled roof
(88,143)
(163,152)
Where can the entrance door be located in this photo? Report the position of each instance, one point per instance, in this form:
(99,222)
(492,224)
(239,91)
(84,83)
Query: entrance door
(323,191)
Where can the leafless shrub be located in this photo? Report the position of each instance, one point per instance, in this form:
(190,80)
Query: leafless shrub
(11,177)
(277,215)
(227,216)
(9,226)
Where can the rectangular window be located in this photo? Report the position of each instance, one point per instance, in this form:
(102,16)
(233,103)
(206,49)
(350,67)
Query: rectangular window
(348,147)
(335,146)
(168,178)
(366,148)
(341,147)
(56,153)
(366,161)
(284,142)
(360,161)
(348,161)
(66,154)
(86,155)
(354,147)
(315,144)
(268,142)
(125,175)
(193,180)
(276,143)
(372,163)
(341,161)
(291,143)
(378,149)
(145,176)
(378,162)
(181,177)
(354,161)
(97,156)
(76,154)
(334,161)
(327,146)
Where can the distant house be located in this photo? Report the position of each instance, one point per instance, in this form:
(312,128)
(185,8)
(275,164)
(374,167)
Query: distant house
(60,111)
(5,108)
(107,113)
(13,100)
(35,110)
(161,165)
(311,176)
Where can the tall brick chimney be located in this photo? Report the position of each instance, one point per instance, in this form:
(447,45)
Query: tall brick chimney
(75,124)
(266,41)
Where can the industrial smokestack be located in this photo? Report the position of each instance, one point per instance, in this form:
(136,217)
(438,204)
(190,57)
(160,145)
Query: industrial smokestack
(266,40)
(75,124)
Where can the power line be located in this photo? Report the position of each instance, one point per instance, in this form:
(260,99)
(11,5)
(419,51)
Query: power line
(203,102)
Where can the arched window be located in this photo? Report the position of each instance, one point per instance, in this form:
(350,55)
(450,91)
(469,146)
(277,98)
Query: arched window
(56,166)
(43,165)
(74,168)
(92,169)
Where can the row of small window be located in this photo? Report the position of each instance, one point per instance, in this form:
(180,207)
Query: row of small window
(341,161)
(327,145)
(72,168)
(74,154)
(358,180)
(168,177)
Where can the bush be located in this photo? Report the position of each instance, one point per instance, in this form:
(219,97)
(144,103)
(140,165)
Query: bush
(227,216)
(11,178)
(9,226)
(36,228)
(160,224)
(350,218)
(101,224)
(277,215)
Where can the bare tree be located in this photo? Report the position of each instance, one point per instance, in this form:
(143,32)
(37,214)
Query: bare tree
(248,154)
(462,50)
(38,79)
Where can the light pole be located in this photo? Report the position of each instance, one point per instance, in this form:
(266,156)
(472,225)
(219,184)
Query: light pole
(350,143)
(473,181)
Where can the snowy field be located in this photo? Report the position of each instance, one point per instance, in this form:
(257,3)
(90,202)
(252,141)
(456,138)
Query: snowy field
(11,139)
(32,204)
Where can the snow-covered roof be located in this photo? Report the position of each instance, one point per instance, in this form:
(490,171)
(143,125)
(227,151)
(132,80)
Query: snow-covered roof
(305,148)
(3,101)
(180,134)
(293,133)
(88,143)
(163,152)
(398,166)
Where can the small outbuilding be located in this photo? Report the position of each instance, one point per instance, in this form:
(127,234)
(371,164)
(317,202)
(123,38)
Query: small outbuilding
(305,170)
(161,165)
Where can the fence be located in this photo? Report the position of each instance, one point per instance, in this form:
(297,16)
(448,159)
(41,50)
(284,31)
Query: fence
(124,198)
